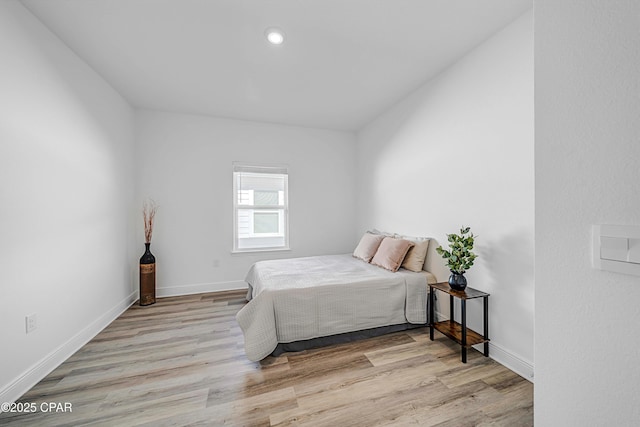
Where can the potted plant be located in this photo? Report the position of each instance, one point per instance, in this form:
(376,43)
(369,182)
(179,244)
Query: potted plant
(459,257)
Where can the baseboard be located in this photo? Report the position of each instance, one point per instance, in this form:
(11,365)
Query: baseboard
(173,291)
(504,357)
(36,373)
(511,361)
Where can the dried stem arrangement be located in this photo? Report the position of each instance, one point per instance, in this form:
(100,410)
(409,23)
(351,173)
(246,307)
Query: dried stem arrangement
(149,209)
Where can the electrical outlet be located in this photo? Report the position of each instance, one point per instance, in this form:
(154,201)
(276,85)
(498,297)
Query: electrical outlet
(31,322)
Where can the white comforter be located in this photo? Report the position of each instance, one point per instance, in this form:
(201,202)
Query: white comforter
(303,298)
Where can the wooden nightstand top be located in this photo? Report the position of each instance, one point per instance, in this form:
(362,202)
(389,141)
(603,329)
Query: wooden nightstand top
(468,293)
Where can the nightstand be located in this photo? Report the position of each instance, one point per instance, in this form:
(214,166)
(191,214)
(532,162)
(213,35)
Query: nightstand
(458,331)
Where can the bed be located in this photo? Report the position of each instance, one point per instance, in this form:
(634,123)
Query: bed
(299,300)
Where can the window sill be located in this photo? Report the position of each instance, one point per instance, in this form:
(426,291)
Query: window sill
(254,251)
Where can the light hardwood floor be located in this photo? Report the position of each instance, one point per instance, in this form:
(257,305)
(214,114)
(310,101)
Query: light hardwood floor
(181,362)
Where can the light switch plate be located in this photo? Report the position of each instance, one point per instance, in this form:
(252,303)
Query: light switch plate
(616,248)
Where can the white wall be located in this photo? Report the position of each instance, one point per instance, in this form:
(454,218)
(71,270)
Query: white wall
(66,191)
(587,152)
(185,165)
(459,151)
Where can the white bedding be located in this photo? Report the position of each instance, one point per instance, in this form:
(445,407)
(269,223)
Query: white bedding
(303,298)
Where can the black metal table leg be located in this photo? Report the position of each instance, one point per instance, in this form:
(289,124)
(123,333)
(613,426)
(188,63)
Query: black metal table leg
(431,313)
(451,317)
(463,314)
(486,326)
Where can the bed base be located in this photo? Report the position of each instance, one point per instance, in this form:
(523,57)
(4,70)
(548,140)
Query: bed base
(342,338)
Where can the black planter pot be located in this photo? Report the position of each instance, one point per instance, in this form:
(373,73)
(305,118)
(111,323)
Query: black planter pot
(457,281)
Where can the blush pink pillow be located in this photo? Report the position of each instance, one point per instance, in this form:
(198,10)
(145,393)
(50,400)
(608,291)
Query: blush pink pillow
(368,246)
(391,252)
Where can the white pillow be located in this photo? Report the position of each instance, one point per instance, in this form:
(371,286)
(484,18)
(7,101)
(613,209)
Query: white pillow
(416,256)
(384,233)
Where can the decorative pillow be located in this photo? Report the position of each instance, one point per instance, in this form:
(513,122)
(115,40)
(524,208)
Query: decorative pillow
(414,260)
(391,253)
(368,246)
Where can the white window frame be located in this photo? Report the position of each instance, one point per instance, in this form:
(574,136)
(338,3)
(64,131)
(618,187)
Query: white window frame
(280,170)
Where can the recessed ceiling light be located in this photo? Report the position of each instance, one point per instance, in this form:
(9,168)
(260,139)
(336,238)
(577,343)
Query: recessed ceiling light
(275,35)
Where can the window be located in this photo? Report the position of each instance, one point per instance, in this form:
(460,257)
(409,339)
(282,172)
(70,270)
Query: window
(260,204)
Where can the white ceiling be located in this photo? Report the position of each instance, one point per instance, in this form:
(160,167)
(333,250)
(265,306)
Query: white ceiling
(343,63)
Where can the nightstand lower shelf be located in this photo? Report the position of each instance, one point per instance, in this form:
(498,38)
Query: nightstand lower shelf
(453,330)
